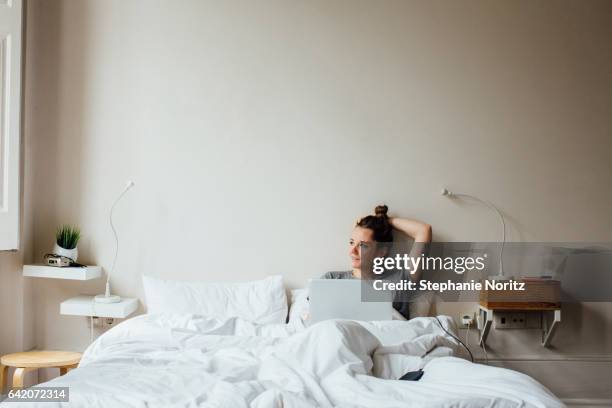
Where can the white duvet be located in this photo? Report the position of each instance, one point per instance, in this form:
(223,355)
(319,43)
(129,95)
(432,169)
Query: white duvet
(193,361)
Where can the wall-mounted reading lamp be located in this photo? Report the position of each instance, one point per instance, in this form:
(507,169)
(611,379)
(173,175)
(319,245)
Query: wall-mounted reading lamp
(445,192)
(107,297)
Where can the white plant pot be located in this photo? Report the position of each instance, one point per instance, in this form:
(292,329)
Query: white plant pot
(68,253)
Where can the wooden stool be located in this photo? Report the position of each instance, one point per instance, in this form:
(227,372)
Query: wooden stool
(33,360)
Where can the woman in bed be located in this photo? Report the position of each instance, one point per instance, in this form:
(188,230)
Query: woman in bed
(364,246)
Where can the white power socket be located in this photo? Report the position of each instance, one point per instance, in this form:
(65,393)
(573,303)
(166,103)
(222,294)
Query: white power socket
(467,320)
(517,320)
(100,322)
(509,320)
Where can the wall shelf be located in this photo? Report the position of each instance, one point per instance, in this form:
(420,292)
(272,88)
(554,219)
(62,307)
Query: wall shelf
(486,316)
(86,306)
(69,272)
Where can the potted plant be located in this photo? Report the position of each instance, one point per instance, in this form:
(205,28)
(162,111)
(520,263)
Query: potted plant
(66,240)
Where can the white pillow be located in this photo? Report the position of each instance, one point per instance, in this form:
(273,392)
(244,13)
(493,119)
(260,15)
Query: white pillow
(262,301)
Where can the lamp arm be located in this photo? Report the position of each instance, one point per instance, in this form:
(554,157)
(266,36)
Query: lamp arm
(127,188)
(503,222)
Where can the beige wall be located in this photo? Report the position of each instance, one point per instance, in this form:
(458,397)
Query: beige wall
(257,132)
(17,332)
(15,304)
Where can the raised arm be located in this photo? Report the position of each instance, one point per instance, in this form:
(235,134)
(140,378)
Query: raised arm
(417,230)
(421,233)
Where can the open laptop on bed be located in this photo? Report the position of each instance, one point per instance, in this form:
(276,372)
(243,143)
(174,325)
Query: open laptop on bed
(342,299)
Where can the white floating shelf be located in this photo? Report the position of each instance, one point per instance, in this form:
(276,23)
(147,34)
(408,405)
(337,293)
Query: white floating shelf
(86,306)
(68,272)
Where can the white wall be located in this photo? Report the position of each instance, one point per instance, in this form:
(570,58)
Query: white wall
(257,133)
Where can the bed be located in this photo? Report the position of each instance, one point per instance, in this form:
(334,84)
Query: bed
(178,359)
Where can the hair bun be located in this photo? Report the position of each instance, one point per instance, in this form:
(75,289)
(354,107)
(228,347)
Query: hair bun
(381,211)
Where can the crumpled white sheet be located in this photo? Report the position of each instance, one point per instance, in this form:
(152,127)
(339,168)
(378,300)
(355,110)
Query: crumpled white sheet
(195,361)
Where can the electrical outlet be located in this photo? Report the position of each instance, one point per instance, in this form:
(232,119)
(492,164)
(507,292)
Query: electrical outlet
(100,322)
(517,321)
(501,320)
(466,320)
(510,320)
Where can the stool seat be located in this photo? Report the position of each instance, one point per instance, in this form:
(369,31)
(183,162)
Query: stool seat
(41,359)
(32,360)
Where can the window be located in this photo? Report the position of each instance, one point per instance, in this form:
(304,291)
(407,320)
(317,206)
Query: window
(10,116)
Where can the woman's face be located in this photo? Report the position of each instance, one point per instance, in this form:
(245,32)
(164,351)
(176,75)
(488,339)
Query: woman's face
(361,247)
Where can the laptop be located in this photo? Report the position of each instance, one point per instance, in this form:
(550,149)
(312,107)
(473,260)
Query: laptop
(341,299)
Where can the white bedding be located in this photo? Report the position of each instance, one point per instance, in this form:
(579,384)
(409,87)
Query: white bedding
(193,361)
(263,301)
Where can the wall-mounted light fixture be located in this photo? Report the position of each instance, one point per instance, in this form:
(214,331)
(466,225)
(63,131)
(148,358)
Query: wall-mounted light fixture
(447,193)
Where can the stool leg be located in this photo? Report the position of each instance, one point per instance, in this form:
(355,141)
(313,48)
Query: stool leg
(65,369)
(19,374)
(3,376)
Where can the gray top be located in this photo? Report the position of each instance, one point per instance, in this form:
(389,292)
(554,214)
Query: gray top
(338,275)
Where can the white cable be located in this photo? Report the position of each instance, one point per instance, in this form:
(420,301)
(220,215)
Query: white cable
(467,334)
(484,348)
(93,312)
